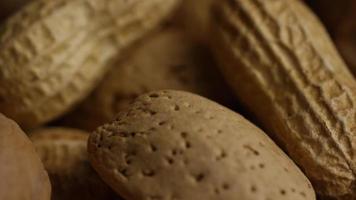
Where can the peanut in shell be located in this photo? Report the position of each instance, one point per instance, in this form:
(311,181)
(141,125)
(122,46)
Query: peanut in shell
(283,66)
(53,53)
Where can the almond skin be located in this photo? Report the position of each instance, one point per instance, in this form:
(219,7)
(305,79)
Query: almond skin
(53,53)
(23,176)
(283,66)
(177,145)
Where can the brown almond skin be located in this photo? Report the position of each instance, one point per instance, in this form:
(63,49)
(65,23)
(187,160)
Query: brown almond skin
(64,155)
(283,66)
(177,145)
(23,176)
(53,53)
(339,18)
(167,59)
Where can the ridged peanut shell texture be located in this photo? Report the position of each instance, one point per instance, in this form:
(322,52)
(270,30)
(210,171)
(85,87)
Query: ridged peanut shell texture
(52,53)
(284,68)
(64,155)
(23,176)
(169,59)
(177,145)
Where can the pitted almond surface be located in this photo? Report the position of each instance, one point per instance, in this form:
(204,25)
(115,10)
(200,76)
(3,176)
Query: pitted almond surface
(176,145)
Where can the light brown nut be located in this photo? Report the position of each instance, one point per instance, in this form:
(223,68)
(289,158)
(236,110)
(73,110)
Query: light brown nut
(54,52)
(339,18)
(23,176)
(166,60)
(177,145)
(64,155)
(284,67)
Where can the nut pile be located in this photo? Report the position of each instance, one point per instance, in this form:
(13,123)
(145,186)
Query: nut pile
(177,100)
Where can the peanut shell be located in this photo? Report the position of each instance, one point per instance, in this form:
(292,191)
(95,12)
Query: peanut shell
(283,66)
(54,52)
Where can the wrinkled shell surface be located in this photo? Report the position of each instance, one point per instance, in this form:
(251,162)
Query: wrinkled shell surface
(176,145)
(283,66)
(54,52)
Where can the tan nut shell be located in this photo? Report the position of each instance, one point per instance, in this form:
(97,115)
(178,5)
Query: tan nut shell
(23,176)
(177,145)
(52,53)
(283,66)
(64,154)
(166,60)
